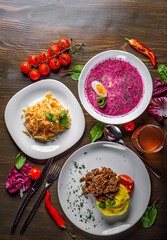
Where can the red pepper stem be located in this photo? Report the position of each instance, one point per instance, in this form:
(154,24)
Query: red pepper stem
(65,227)
(127,39)
(155,201)
(68,71)
(63,72)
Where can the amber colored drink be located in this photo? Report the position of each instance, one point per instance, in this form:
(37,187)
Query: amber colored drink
(148,138)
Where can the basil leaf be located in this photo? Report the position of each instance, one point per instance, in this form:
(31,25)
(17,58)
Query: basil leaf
(111,202)
(162,69)
(102,205)
(149,216)
(20,161)
(97,131)
(75,76)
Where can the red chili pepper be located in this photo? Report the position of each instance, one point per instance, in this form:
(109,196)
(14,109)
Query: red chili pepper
(143,49)
(55,215)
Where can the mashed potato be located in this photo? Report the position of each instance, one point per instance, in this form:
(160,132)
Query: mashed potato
(122,200)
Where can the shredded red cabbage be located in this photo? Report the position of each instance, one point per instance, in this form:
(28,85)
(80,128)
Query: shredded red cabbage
(19,179)
(158,104)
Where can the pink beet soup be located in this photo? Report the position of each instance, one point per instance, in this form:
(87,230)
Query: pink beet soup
(122,83)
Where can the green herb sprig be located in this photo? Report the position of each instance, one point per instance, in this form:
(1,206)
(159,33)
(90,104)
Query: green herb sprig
(51,117)
(149,215)
(63,119)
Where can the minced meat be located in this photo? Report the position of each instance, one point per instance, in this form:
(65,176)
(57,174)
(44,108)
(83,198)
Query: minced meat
(103,184)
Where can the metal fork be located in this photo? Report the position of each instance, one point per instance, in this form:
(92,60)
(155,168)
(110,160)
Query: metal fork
(49,181)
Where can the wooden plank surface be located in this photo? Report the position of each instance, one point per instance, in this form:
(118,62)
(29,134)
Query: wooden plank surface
(29,27)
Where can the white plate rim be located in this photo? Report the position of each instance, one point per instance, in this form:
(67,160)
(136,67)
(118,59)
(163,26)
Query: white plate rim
(35,86)
(101,143)
(119,54)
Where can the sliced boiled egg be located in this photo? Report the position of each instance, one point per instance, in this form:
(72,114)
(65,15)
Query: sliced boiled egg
(99,89)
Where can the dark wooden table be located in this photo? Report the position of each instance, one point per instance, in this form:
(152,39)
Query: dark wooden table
(29,27)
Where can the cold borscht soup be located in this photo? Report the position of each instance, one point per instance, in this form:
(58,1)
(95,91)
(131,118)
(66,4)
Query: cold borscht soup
(114,87)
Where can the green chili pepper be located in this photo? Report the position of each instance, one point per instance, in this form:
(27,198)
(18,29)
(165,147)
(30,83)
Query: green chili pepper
(102,205)
(101,101)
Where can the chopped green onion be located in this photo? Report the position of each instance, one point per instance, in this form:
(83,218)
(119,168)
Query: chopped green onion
(101,101)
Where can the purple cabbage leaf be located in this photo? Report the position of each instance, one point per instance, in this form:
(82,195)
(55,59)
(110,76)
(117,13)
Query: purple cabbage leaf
(19,179)
(158,103)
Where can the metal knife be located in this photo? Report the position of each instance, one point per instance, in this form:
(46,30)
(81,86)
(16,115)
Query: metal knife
(34,188)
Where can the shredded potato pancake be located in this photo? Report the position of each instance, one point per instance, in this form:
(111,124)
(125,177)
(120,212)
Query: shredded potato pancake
(40,125)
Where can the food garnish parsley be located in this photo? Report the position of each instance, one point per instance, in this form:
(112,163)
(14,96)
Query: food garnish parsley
(51,117)
(62,118)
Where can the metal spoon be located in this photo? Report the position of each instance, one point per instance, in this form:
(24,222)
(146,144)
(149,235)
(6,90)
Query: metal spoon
(114,134)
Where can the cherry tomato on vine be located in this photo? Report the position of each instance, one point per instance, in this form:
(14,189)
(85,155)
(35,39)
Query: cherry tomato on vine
(129,126)
(44,69)
(43,56)
(127,182)
(34,60)
(54,49)
(25,67)
(34,74)
(34,173)
(65,58)
(63,44)
(54,63)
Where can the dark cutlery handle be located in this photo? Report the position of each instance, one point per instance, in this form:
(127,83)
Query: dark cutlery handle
(21,210)
(151,169)
(34,209)
(157,174)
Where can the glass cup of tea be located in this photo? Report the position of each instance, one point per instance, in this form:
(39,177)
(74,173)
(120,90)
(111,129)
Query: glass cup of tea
(148,138)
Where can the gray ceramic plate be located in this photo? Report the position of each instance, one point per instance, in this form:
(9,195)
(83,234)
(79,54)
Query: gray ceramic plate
(82,210)
(31,95)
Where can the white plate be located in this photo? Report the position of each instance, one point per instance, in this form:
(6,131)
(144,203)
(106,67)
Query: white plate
(96,155)
(31,95)
(147,86)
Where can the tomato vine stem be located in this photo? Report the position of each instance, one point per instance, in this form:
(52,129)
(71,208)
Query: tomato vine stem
(56,55)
